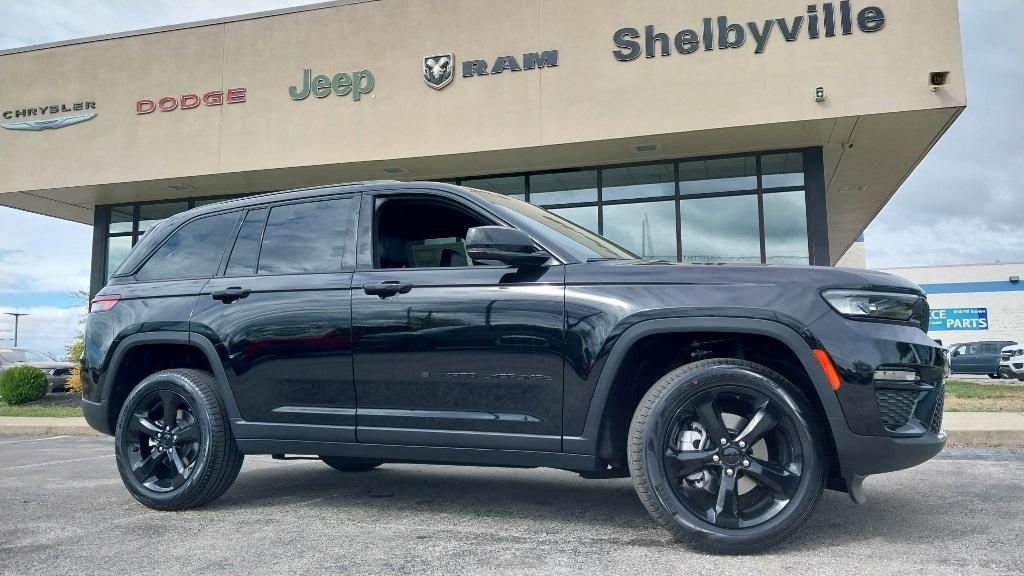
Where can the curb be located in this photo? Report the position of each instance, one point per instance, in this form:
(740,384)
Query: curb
(985,438)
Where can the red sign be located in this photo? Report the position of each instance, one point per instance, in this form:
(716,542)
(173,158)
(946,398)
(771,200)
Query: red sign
(189,101)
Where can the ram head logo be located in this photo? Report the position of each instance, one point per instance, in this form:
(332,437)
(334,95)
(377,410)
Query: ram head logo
(439,70)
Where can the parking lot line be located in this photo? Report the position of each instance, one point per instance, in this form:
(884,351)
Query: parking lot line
(38,464)
(32,440)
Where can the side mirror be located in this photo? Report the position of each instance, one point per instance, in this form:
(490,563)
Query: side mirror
(506,245)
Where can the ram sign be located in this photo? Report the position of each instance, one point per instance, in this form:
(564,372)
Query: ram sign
(958,319)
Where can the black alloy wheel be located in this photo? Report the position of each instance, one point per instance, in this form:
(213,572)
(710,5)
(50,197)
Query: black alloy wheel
(163,440)
(173,441)
(726,454)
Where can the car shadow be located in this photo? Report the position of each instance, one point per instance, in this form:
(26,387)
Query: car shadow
(554,497)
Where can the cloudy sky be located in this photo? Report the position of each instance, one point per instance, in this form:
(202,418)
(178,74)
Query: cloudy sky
(962,205)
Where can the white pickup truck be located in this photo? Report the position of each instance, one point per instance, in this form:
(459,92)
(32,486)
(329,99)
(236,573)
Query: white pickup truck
(1011,362)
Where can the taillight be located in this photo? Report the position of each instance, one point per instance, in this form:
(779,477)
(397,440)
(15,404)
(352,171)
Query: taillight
(103,303)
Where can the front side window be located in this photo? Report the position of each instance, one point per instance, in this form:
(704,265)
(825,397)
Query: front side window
(305,238)
(192,251)
(422,233)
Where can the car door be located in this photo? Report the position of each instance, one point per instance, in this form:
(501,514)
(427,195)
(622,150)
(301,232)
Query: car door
(280,311)
(447,353)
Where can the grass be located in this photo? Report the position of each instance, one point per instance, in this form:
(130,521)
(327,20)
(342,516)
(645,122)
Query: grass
(54,405)
(964,396)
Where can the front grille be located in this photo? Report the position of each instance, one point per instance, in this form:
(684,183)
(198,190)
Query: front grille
(1018,366)
(940,402)
(895,406)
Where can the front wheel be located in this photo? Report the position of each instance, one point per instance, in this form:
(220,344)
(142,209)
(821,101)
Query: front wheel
(726,454)
(173,441)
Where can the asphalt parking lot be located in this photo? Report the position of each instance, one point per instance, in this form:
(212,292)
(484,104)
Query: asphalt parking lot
(63,510)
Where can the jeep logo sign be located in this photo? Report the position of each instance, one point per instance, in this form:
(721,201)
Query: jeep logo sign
(342,84)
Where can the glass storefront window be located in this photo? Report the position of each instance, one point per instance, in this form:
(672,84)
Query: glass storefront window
(718,175)
(638,182)
(118,248)
(564,188)
(785,228)
(585,216)
(782,170)
(514,186)
(632,205)
(648,229)
(150,214)
(722,229)
(121,219)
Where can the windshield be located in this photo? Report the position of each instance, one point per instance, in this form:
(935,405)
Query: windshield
(14,355)
(557,230)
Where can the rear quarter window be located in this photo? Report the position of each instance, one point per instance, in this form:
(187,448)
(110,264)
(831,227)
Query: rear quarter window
(192,251)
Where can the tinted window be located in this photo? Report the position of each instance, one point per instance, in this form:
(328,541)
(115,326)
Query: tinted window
(193,251)
(247,247)
(304,238)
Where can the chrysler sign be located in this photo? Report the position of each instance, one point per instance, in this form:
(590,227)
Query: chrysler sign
(38,118)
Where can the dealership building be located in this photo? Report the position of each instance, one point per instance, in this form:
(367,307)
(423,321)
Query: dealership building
(734,131)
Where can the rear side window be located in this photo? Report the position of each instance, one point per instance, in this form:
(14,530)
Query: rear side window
(305,238)
(192,251)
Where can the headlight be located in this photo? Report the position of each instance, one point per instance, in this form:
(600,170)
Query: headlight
(877,305)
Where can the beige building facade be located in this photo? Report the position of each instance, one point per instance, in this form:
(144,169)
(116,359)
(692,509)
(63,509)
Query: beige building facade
(658,123)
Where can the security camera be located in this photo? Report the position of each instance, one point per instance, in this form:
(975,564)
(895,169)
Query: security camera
(819,94)
(937,79)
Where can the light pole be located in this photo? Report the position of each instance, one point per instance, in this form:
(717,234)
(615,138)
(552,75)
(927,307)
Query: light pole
(16,315)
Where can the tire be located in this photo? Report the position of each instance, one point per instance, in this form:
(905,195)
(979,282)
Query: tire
(351,464)
(777,479)
(192,463)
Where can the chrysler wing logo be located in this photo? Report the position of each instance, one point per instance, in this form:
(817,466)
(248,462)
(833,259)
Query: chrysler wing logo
(439,70)
(50,124)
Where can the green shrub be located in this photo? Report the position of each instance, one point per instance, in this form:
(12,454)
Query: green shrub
(23,384)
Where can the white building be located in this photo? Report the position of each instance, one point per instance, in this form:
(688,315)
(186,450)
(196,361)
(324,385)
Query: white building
(972,302)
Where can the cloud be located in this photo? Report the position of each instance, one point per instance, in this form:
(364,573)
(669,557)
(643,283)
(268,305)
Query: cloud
(963,203)
(47,329)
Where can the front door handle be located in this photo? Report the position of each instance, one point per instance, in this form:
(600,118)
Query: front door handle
(229,295)
(387,288)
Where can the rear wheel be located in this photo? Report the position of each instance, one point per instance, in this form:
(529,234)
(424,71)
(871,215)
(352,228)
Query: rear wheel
(726,455)
(173,442)
(351,464)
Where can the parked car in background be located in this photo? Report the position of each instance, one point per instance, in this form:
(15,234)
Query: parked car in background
(56,371)
(977,357)
(1011,362)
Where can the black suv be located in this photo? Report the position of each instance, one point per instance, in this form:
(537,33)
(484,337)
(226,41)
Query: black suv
(423,322)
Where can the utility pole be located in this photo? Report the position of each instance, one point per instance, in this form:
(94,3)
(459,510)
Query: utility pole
(16,315)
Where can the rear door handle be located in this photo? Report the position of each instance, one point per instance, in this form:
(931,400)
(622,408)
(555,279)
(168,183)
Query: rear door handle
(229,295)
(387,288)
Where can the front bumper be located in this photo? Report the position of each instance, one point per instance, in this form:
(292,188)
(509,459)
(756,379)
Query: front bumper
(885,425)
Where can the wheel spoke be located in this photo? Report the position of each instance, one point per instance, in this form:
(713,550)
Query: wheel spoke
(145,468)
(187,433)
(711,419)
(763,421)
(773,477)
(141,424)
(170,403)
(684,463)
(176,460)
(726,512)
